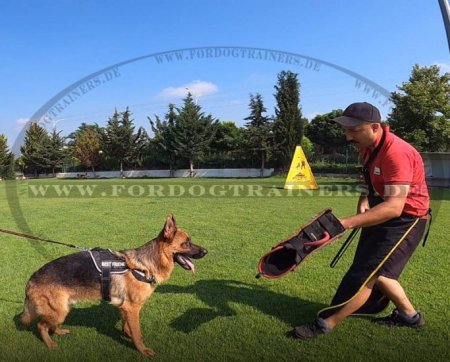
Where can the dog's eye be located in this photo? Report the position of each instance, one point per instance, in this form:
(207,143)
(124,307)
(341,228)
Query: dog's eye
(187,244)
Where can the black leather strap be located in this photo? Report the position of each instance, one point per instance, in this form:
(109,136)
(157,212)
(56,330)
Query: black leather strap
(374,199)
(106,282)
(428,227)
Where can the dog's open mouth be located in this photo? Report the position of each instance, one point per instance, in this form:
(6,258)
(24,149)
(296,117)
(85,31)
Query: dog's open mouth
(184,261)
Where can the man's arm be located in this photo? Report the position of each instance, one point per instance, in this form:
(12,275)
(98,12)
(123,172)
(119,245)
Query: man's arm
(391,207)
(363,204)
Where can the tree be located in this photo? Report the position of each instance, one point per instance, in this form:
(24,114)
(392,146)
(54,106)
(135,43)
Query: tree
(421,112)
(164,137)
(307,147)
(83,127)
(288,123)
(36,149)
(72,160)
(326,135)
(133,144)
(10,167)
(87,148)
(123,146)
(7,163)
(140,142)
(194,132)
(258,129)
(227,147)
(58,153)
(3,154)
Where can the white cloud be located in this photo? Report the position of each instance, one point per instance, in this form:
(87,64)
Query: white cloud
(445,67)
(197,88)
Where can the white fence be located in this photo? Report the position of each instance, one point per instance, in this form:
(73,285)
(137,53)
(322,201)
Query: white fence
(210,172)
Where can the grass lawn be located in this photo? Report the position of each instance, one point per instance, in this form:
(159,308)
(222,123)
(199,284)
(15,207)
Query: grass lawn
(220,313)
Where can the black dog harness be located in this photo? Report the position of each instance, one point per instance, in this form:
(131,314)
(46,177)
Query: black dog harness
(108,263)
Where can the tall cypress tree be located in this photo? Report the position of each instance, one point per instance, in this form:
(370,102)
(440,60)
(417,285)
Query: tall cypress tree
(194,132)
(3,154)
(258,130)
(7,169)
(120,139)
(164,136)
(57,151)
(288,123)
(36,149)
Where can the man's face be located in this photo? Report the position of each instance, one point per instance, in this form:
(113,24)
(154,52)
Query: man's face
(363,135)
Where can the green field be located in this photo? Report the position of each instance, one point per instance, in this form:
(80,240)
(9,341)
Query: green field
(220,313)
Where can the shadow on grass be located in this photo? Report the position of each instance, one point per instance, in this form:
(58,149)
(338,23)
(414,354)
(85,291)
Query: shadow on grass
(102,317)
(217,294)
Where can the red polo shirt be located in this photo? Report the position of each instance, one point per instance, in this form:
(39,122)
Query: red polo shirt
(399,163)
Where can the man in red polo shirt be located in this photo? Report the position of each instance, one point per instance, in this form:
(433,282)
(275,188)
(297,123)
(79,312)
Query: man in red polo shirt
(392,214)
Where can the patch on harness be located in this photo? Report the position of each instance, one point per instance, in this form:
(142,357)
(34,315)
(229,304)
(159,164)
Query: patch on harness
(105,258)
(107,263)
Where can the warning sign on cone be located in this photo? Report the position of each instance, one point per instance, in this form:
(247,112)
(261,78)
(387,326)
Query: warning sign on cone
(300,176)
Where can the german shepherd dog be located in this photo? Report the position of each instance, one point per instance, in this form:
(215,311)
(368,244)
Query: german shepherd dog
(53,289)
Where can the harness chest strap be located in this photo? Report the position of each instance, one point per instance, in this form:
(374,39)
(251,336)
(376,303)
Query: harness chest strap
(107,263)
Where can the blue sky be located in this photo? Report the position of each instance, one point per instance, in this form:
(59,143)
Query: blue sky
(48,45)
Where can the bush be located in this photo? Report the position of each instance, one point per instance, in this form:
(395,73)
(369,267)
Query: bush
(340,168)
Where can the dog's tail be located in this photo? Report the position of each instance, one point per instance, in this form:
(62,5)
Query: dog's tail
(29,313)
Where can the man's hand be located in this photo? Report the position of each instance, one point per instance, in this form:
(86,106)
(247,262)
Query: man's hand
(392,206)
(345,223)
(363,204)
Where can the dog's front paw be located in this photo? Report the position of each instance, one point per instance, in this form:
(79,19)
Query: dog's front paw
(62,331)
(148,352)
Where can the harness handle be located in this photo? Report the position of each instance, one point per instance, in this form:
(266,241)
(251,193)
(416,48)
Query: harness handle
(326,237)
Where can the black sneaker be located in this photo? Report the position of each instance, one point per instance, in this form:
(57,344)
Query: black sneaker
(310,331)
(397,319)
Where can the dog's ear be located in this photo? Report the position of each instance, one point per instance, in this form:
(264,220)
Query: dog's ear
(169,227)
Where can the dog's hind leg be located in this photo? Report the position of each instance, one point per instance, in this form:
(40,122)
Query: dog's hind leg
(130,315)
(44,330)
(53,312)
(29,313)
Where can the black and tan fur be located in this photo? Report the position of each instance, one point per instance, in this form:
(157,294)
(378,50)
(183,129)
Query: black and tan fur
(53,289)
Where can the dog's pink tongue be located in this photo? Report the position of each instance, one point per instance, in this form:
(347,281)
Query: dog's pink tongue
(191,265)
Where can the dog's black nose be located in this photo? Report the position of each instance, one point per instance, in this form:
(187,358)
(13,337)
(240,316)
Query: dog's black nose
(199,253)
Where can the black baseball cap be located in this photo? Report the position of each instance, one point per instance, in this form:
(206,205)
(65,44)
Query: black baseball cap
(358,113)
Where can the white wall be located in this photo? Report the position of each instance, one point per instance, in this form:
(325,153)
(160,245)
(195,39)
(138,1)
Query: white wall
(437,168)
(211,172)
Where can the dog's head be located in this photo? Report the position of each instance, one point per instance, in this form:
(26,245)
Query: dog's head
(180,244)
